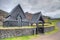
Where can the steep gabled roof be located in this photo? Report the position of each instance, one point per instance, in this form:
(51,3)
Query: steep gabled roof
(17,11)
(36,16)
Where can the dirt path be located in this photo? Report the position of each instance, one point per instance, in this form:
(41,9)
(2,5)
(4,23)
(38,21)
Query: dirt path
(55,36)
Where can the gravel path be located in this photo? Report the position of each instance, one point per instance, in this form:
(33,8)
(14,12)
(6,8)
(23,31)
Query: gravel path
(55,36)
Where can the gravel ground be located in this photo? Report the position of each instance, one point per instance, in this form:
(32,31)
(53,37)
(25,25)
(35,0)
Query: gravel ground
(55,36)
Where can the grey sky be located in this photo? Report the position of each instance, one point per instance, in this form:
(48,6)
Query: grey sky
(48,7)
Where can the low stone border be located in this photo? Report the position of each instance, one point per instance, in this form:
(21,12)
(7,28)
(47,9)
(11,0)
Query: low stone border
(6,33)
(16,32)
(48,29)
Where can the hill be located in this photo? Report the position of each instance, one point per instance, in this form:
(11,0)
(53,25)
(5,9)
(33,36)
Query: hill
(3,14)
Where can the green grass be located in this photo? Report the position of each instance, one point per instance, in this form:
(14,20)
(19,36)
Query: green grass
(21,38)
(18,38)
(56,28)
(52,32)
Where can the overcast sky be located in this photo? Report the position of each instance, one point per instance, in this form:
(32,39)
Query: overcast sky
(48,7)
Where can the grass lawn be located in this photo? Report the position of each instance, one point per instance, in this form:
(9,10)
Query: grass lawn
(33,36)
(21,38)
(56,28)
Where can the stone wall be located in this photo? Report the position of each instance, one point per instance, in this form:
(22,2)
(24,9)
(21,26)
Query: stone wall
(48,29)
(12,32)
(5,33)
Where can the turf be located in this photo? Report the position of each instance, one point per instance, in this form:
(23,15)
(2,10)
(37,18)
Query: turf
(21,38)
(56,28)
